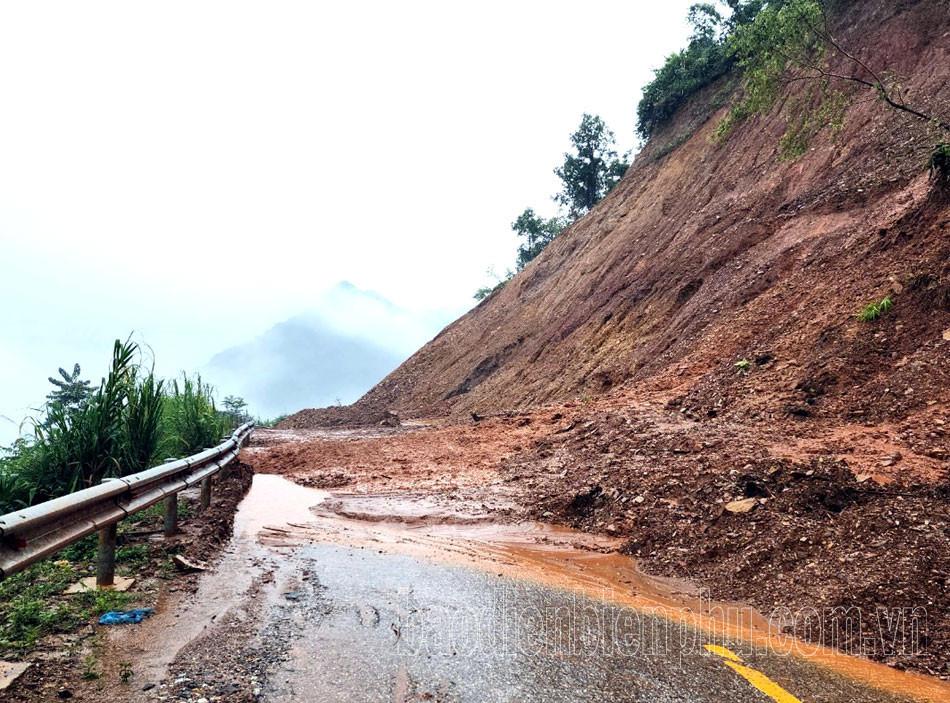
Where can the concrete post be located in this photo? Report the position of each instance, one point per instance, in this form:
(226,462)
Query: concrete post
(205,493)
(171,515)
(105,564)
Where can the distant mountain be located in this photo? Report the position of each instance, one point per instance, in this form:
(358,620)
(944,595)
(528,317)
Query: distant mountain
(303,362)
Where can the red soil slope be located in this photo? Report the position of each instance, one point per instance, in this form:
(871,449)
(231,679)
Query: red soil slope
(709,253)
(628,328)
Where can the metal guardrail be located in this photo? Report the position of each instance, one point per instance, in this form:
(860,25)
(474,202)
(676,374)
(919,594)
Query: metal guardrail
(34,533)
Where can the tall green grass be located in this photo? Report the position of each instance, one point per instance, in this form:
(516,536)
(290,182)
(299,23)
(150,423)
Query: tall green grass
(190,421)
(130,422)
(79,446)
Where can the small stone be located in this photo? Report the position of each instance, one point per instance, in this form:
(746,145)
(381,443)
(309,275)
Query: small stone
(741,506)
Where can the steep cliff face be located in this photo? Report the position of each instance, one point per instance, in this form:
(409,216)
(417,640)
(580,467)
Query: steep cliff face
(710,253)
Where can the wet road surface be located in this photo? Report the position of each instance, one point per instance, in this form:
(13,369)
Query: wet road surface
(307,605)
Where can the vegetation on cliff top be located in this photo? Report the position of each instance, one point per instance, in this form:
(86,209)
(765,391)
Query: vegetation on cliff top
(770,45)
(587,174)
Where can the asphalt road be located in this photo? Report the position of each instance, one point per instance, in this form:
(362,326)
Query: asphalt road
(297,619)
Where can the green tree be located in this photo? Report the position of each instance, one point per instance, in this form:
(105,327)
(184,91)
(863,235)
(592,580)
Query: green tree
(71,392)
(591,170)
(791,42)
(704,60)
(235,407)
(535,233)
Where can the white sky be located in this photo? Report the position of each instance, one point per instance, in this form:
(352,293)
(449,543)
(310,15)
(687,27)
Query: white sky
(199,171)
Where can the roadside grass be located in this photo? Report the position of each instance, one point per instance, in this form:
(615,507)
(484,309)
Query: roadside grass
(131,421)
(32,605)
(269,423)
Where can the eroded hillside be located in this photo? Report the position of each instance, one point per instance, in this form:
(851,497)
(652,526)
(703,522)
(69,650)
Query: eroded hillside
(685,367)
(710,253)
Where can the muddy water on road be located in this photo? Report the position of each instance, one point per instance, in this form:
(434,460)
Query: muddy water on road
(397,598)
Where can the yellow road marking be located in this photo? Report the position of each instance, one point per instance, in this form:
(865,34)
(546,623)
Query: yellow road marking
(723,652)
(756,678)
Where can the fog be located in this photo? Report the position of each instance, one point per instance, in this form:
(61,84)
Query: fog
(197,174)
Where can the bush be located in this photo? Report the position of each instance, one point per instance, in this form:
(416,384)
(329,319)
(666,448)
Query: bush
(119,428)
(940,165)
(708,56)
(682,75)
(79,446)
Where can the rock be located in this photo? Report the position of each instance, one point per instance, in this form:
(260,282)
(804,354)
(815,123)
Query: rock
(742,506)
(186,565)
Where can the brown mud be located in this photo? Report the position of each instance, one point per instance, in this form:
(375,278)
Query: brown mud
(816,539)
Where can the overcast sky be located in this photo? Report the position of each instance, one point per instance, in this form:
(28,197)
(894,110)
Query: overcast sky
(197,172)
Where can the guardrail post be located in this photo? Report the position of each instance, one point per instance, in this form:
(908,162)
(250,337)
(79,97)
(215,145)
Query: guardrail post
(171,515)
(105,564)
(205,493)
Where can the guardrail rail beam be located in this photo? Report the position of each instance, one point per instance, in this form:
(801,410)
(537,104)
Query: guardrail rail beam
(39,531)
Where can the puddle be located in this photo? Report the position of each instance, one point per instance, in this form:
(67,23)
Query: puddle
(273,501)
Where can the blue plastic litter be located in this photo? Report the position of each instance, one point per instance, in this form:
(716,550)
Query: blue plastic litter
(125,617)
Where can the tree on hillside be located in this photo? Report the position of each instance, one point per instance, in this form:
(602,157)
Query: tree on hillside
(791,42)
(587,175)
(535,233)
(591,170)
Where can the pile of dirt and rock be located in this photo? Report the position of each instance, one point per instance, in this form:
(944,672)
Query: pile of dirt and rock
(339,416)
(834,529)
(805,537)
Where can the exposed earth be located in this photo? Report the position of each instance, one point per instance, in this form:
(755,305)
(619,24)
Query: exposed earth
(675,408)
(686,367)
(816,517)
(409,587)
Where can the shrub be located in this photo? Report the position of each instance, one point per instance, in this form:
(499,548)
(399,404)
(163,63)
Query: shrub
(875,311)
(115,429)
(707,57)
(940,165)
(682,75)
(78,447)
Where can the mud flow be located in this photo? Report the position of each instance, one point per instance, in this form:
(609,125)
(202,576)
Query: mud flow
(393,597)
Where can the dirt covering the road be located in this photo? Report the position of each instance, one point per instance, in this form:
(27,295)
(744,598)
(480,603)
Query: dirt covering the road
(824,519)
